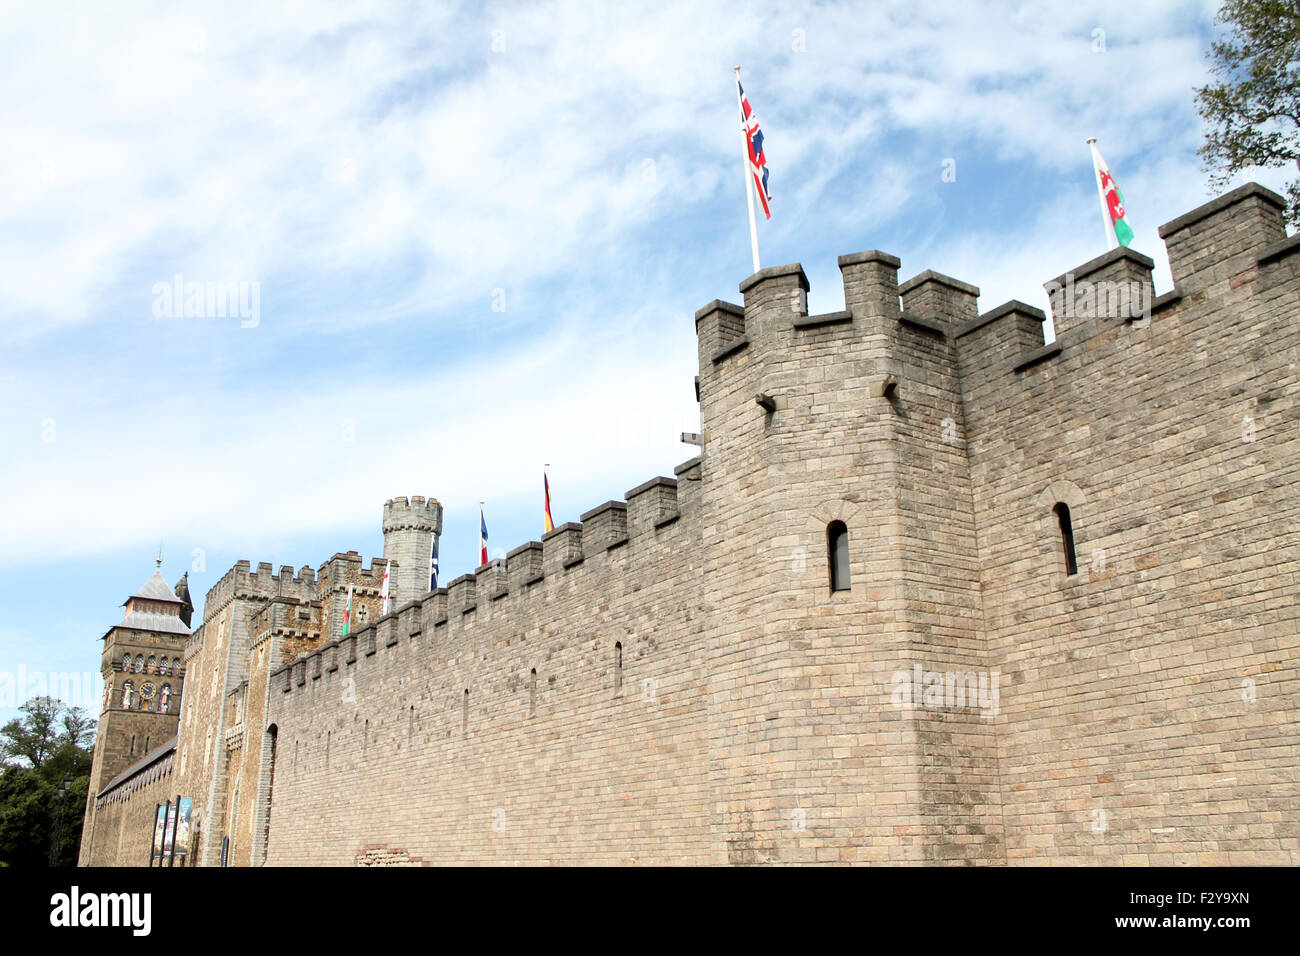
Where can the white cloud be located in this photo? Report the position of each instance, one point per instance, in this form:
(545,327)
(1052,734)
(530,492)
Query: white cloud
(221,471)
(380,170)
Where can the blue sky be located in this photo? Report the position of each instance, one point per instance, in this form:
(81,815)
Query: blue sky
(386,172)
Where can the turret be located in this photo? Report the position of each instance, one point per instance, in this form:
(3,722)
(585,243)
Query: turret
(411,525)
(182,590)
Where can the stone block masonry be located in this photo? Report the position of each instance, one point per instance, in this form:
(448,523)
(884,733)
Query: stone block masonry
(933,592)
(477,702)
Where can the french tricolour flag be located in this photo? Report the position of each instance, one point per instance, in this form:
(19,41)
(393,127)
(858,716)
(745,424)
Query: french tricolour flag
(482,536)
(757,160)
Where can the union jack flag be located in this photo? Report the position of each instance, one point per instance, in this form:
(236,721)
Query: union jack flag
(757,161)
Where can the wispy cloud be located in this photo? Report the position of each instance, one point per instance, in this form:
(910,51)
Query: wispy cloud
(479,233)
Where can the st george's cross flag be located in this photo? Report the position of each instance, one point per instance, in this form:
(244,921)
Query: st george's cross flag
(757,158)
(383,591)
(482,535)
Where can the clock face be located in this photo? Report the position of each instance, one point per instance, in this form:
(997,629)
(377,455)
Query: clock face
(147,690)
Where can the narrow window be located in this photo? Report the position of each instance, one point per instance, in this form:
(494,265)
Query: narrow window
(132,745)
(532,692)
(464,712)
(1067,536)
(837,546)
(410,728)
(272,736)
(618,668)
(146,744)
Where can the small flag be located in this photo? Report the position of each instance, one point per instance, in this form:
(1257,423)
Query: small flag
(482,535)
(433,565)
(757,158)
(347,612)
(383,591)
(1112,198)
(546,488)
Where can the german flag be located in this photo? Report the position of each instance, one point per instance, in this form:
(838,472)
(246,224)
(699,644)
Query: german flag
(546,490)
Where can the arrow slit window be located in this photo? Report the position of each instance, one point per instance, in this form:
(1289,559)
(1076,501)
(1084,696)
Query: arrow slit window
(837,548)
(1067,536)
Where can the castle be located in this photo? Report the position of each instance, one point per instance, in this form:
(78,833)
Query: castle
(933,591)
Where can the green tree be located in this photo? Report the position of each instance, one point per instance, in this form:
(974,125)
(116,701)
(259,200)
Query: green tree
(77,728)
(25,823)
(44,782)
(1252,109)
(34,736)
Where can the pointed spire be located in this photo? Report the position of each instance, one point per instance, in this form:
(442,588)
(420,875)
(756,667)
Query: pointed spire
(156,588)
(156,607)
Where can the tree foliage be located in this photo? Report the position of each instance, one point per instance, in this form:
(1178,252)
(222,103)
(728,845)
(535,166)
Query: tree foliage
(40,821)
(1252,109)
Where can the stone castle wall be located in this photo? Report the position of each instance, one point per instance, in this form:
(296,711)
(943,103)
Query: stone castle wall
(674,679)
(493,721)
(120,831)
(1149,700)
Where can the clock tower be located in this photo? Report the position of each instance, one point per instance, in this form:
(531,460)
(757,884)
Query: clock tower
(143,678)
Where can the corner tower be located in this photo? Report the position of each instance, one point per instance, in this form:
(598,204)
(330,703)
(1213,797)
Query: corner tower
(839,542)
(411,529)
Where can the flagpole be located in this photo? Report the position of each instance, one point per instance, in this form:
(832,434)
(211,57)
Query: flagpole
(1111,241)
(749,174)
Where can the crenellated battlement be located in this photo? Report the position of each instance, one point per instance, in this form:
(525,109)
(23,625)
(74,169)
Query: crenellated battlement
(1224,237)
(414,512)
(346,568)
(522,577)
(243,582)
(1230,239)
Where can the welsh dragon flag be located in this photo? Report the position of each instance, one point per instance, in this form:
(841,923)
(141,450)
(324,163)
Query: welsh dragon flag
(1112,198)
